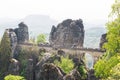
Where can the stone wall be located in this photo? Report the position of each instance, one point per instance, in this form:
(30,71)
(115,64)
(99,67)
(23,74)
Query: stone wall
(68,34)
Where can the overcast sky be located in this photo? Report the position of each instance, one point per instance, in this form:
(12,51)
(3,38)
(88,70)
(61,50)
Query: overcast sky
(90,10)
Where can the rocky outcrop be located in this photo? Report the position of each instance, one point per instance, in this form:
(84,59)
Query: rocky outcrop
(18,35)
(30,70)
(68,34)
(103,40)
(22,33)
(49,72)
(14,67)
(13,39)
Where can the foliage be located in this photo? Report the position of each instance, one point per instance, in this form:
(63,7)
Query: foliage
(103,67)
(66,64)
(14,77)
(113,35)
(41,38)
(106,66)
(26,53)
(83,72)
(5,54)
(115,72)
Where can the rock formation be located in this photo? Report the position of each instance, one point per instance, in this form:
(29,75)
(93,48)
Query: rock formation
(22,33)
(49,72)
(13,39)
(103,40)
(68,34)
(18,35)
(14,67)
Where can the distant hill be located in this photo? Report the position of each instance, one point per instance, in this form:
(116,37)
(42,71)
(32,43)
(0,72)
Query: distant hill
(92,37)
(37,24)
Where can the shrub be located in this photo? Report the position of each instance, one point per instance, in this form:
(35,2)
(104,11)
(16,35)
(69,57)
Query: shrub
(13,77)
(41,38)
(83,72)
(66,64)
(103,66)
(115,72)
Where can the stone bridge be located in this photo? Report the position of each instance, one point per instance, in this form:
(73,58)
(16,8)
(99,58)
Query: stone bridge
(95,53)
(20,36)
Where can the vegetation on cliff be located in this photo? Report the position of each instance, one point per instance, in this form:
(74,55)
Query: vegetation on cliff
(66,64)
(109,62)
(5,54)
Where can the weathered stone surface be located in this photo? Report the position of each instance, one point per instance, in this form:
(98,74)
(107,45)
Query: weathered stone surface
(30,70)
(103,40)
(13,39)
(61,53)
(91,75)
(76,74)
(49,72)
(68,34)
(18,35)
(69,77)
(22,33)
(14,67)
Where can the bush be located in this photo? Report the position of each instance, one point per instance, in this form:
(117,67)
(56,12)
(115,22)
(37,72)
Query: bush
(13,77)
(83,72)
(115,72)
(66,64)
(41,38)
(103,67)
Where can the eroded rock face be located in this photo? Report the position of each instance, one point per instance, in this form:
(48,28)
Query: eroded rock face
(14,67)
(22,33)
(49,72)
(68,34)
(18,35)
(29,70)
(13,39)
(76,74)
(103,40)
(69,77)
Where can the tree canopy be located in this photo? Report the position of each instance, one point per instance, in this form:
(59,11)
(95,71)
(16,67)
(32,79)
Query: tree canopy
(41,38)
(107,67)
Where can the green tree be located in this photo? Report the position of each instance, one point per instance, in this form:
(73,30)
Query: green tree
(14,77)
(113,35)
(5,54)
(41,38)
(111,58)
